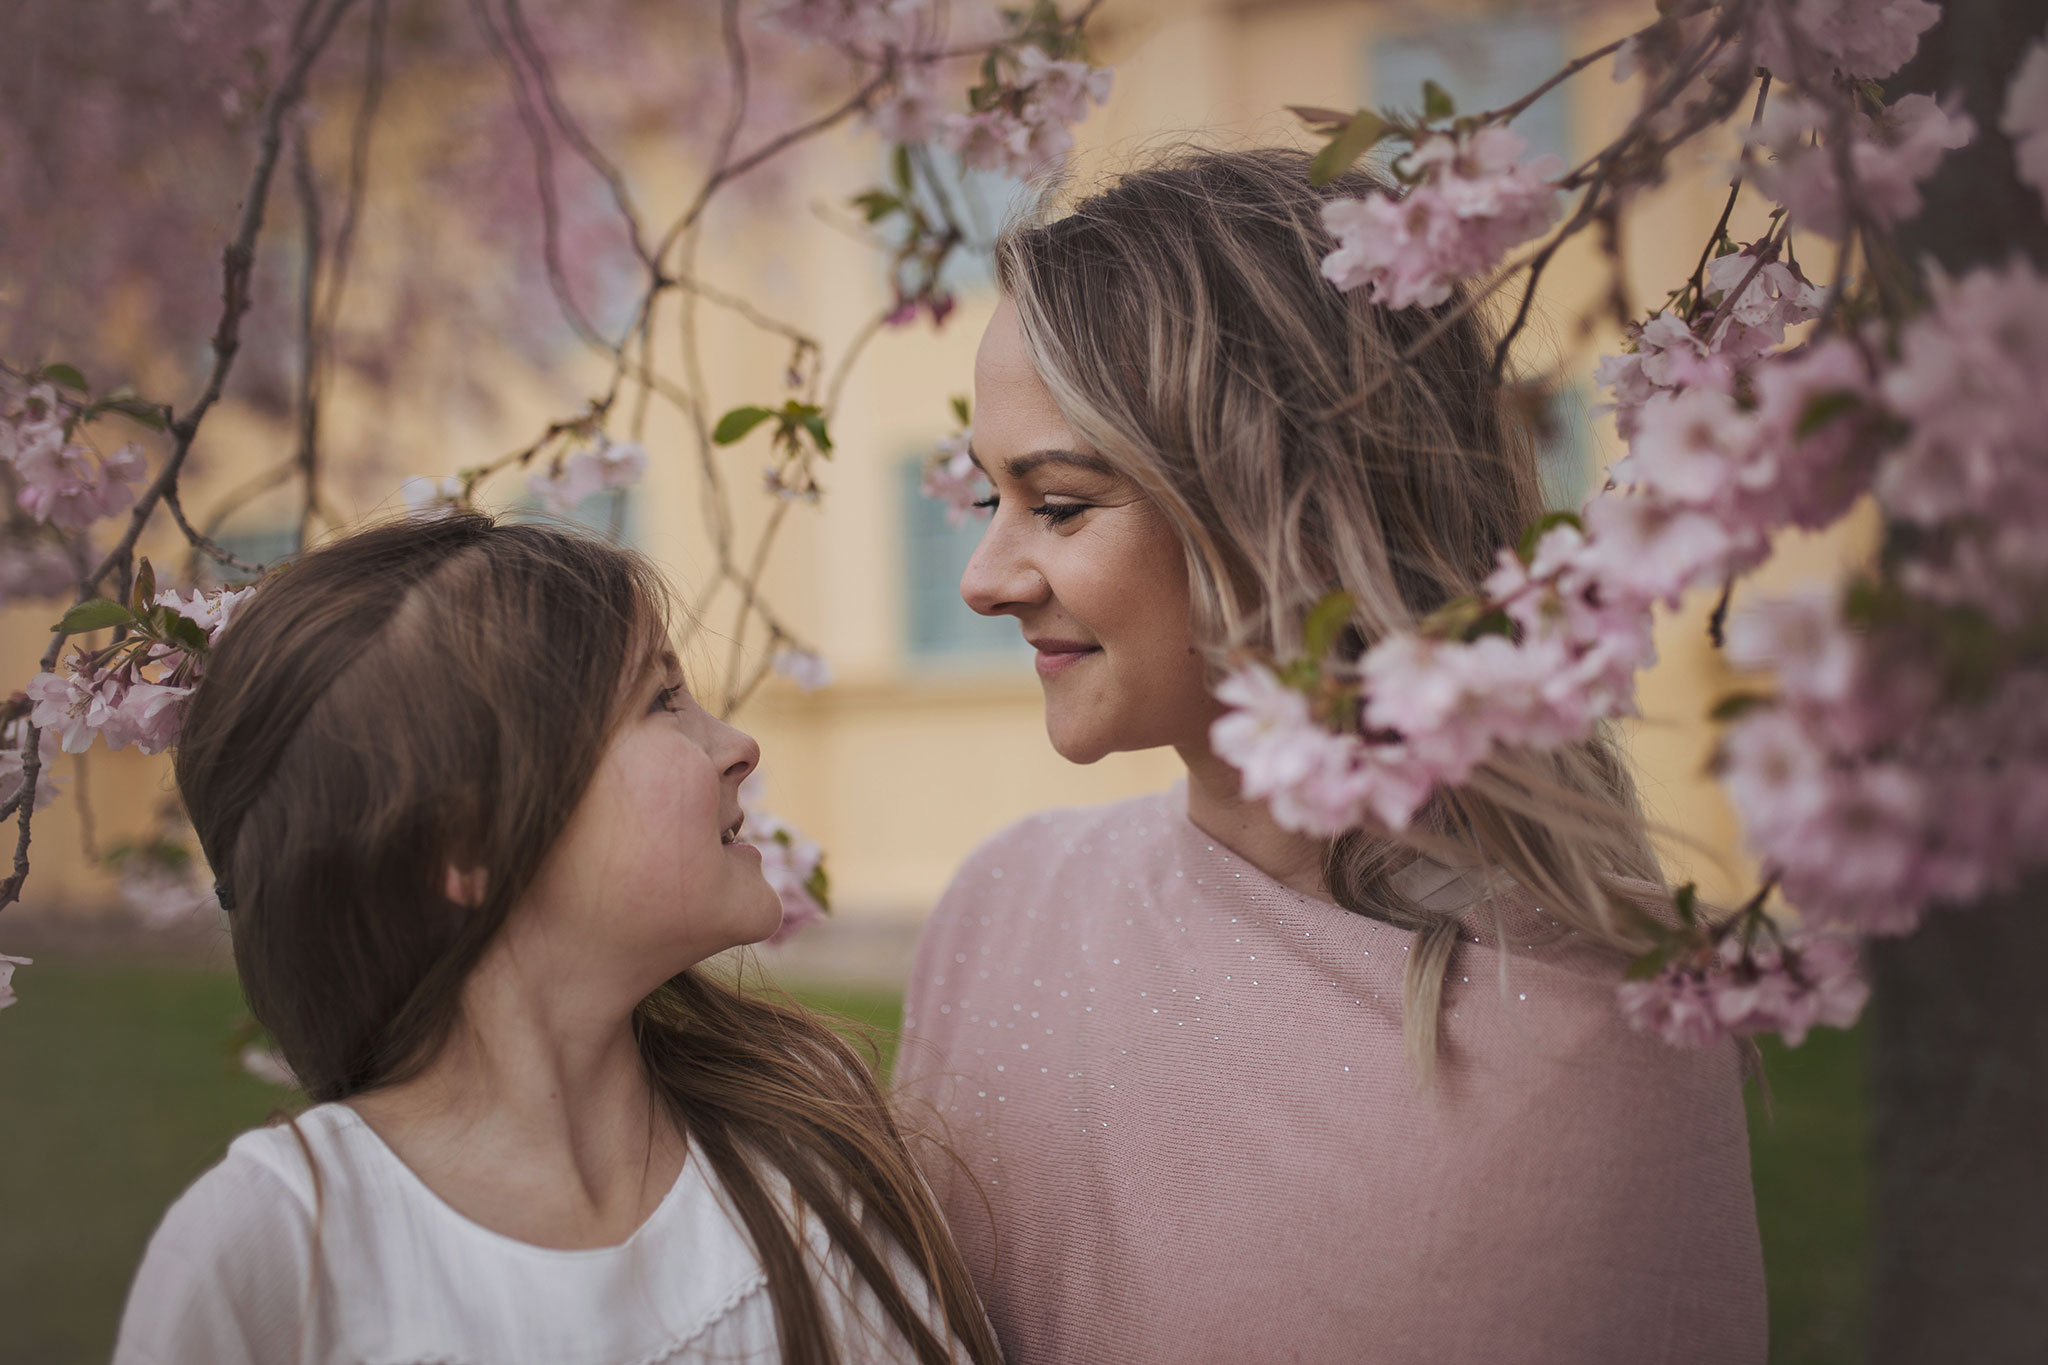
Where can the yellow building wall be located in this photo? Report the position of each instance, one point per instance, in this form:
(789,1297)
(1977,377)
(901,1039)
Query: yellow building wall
(898,769)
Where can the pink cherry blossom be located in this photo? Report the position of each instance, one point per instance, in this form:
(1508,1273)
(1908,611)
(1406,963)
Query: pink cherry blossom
(603,465)
(1889,157)
(7,966)
(2025,119)
(1750,988)
(1776,296)
(211,612)
(1677,1005)
(427,496)
(868,24)
(1474,200)
(954,480)
(805,667)
(915,109)
(71,708)
(71,486)
(268,1065)
(1806,40)
(35,570)
(789,861)
(13,758)
(160,895)
(1801,639)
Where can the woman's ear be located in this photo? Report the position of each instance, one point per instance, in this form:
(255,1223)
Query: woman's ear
(464,886)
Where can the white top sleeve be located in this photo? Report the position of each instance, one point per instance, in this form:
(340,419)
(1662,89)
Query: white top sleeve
(225,1280)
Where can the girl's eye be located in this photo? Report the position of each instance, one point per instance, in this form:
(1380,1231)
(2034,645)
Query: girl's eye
(987,504)
(665,700)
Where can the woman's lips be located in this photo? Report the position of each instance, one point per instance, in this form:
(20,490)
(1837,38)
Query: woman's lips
(1057,656)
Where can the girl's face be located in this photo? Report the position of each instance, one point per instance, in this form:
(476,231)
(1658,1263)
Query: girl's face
(1090,569)
(649,873)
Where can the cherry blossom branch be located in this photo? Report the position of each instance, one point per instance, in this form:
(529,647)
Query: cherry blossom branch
(316,23)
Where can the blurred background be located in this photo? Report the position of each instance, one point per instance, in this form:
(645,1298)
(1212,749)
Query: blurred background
(120,1071)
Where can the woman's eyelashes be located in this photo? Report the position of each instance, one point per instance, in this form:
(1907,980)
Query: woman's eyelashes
(1053,512)
(665,700)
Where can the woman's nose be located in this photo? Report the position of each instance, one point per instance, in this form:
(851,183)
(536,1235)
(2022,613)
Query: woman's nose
(997,580)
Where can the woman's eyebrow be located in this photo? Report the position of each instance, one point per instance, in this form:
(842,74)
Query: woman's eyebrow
(1018,466)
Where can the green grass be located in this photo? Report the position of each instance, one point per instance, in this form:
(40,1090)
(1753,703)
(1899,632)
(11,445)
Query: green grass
(118,1085)
(1809,1161)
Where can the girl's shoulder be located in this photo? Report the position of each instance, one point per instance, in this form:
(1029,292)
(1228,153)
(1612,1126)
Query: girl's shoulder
(228,1270)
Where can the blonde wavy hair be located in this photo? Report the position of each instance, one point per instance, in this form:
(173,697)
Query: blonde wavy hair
(1300,439)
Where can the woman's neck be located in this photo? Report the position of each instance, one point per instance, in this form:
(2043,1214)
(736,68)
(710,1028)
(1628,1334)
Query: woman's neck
(1247,827)
(536,1118)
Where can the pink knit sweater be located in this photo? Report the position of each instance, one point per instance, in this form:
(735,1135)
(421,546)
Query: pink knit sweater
(1186,1131)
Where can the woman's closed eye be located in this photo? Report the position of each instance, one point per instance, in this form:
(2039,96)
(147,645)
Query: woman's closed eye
(1052,512)
(665,700)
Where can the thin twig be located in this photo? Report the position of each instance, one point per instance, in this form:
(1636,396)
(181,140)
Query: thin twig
(311,244)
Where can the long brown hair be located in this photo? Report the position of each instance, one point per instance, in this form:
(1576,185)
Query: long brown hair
(436,689)
(1300,439)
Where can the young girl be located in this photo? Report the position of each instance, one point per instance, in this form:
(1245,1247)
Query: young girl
(474,835)
(1220,1091)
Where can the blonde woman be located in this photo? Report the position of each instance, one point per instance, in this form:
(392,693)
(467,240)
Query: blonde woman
(1221,1092)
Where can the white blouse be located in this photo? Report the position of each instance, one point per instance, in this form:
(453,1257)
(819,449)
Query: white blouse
(248,1269)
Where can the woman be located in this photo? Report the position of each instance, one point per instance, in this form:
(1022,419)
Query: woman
(474,837)
(1221,1092)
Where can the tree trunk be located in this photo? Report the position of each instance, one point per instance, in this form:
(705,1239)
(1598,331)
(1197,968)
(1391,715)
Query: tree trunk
(1959,1029)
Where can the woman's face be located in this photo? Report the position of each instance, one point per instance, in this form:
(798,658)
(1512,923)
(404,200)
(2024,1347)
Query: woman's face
(1090,569)
(648,875)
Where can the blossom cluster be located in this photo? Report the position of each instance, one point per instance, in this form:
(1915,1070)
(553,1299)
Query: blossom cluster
(2025,119)
(62,481)
(1746,988)
(793,864)
(135,691)
(1889,155)
(953,479)
(1027,124)
(601,466)
(1472,198)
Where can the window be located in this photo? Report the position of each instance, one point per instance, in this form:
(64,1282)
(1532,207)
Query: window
(1483,65)
(938,626)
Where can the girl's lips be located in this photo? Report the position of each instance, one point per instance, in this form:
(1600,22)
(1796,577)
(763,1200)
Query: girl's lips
(1055,661)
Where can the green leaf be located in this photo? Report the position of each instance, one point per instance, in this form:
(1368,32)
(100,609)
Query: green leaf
(97,614)
(814,423)
(144,596)
(1737,704)
(1826,409)
(877,204)
(1328,122)
(737,423)
(899,169)
(1436,102)
(961,412)
(67,375)
(140,410)
(1326,621)
(1685,900)
(1451,620)
(186,633)
(1649,964)
(1492,623)
(820,887)
(1542,527)
(1360,135)
(1301,674)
